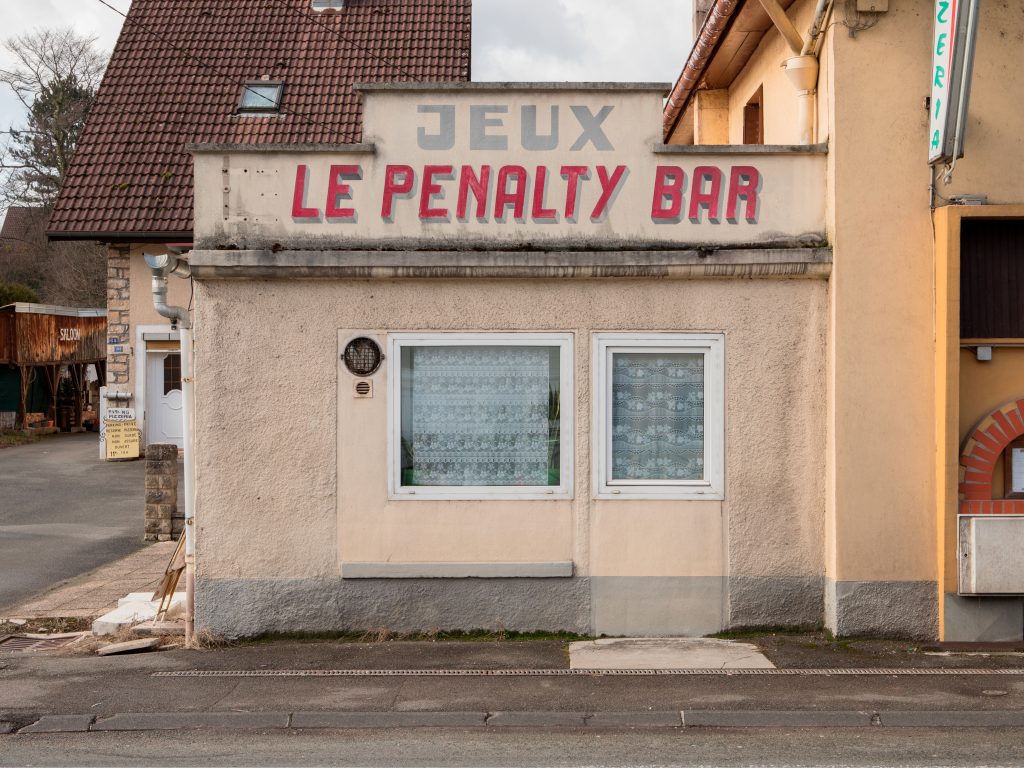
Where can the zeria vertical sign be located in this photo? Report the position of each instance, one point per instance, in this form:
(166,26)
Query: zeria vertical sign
(952,57)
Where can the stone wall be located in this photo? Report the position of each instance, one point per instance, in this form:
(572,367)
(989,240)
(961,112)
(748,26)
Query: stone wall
(118,314)
(163,520)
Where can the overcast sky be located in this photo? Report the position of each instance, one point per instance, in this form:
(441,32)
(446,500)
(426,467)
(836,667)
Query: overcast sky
(642,40)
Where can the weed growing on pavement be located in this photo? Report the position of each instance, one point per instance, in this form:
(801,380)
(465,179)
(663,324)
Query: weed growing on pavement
(9,439)
(47,626)
(384,635)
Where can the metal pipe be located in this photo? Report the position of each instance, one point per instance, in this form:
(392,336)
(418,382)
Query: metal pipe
(784,25)
(161,265)
(820,12)
(118,397)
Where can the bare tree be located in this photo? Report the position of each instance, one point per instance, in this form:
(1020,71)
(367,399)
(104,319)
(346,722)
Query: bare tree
(55,77)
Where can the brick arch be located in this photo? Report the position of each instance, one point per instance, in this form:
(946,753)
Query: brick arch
(982,448)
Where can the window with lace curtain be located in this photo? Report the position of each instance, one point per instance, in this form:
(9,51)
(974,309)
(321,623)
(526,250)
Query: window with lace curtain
(658,415)
(480,415)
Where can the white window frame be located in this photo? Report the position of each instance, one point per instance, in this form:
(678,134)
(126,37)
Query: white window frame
(564,342)
(712,346)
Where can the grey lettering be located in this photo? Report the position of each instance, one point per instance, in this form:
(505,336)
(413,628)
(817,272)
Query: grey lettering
(533,142)
(444,139)
(591,125)
(479,123)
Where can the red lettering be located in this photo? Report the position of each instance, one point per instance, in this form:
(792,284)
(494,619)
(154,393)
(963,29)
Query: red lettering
(337,190)
(398,181)
(744,182)
(430,188)
(609,190)
(299,209)
(669,184)
(539,212)
(516,197)
(573,174)
(710,198)
(479,186)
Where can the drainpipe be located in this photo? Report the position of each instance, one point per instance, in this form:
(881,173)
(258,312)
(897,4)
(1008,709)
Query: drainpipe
(802,69)
(162,265)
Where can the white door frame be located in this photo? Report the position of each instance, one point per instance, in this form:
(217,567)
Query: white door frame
(141,355)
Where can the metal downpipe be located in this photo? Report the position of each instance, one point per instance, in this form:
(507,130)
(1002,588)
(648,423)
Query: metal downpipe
(161,265)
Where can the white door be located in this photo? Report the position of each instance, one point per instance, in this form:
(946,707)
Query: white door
(164,416)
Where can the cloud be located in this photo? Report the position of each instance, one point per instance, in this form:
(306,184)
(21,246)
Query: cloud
(597,40)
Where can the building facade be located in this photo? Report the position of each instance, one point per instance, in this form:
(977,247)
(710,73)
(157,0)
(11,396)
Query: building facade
(227,71)
(562,389)
(907,389)
(536,356)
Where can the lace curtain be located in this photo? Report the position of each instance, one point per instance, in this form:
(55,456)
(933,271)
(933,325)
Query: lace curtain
(657,416)
(480,415)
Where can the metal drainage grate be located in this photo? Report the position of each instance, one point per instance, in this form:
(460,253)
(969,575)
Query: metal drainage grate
(892,671)
(30,643)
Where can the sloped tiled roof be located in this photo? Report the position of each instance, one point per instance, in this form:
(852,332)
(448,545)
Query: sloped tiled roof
(132,178)
(19,222)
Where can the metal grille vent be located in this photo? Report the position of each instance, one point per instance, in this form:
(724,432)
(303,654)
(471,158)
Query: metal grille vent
(362,356)
(29,643)
(363,388)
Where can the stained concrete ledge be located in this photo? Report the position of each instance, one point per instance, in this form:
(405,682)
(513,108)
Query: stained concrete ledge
(323,260)
(367,570)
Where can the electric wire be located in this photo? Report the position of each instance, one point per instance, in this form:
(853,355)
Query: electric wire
(184,51)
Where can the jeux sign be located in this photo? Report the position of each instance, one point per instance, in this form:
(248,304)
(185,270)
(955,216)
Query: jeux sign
(498,165)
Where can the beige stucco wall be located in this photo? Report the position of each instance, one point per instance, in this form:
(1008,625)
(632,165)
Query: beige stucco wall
(779,103)
(882,334)
(883,329)
(270,394)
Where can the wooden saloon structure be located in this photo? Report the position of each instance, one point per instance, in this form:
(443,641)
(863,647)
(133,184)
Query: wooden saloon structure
(38,341)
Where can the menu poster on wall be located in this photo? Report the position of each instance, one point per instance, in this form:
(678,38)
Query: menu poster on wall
(1017,462)
(122,439)
(956,24)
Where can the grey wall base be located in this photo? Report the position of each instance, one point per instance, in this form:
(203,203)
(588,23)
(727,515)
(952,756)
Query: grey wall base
(248,607)
(882,608)
(653,606)
(983,619)
(610,605)
(775,601)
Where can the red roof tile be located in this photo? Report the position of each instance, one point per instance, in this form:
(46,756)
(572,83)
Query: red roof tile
(131,174)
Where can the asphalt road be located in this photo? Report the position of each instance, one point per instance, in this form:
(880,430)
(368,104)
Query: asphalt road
(525,747)
(63,512)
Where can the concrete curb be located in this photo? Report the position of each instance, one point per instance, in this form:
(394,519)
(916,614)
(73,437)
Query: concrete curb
(150,721)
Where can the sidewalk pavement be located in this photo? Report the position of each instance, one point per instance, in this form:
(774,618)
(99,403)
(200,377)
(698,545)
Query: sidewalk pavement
(801,680)
(95,593)
(490,684)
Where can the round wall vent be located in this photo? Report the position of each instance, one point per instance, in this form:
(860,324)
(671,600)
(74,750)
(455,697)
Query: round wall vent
(362,356)
(363,388)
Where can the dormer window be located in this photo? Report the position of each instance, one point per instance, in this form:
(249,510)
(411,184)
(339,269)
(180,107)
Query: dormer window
(261,96)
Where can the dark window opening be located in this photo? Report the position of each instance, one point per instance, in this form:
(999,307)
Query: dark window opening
(172,373)
(992,279)
(753,119)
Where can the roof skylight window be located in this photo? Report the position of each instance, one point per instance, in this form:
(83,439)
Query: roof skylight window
(261,96)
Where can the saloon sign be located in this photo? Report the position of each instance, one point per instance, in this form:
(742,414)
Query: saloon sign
(501,165)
